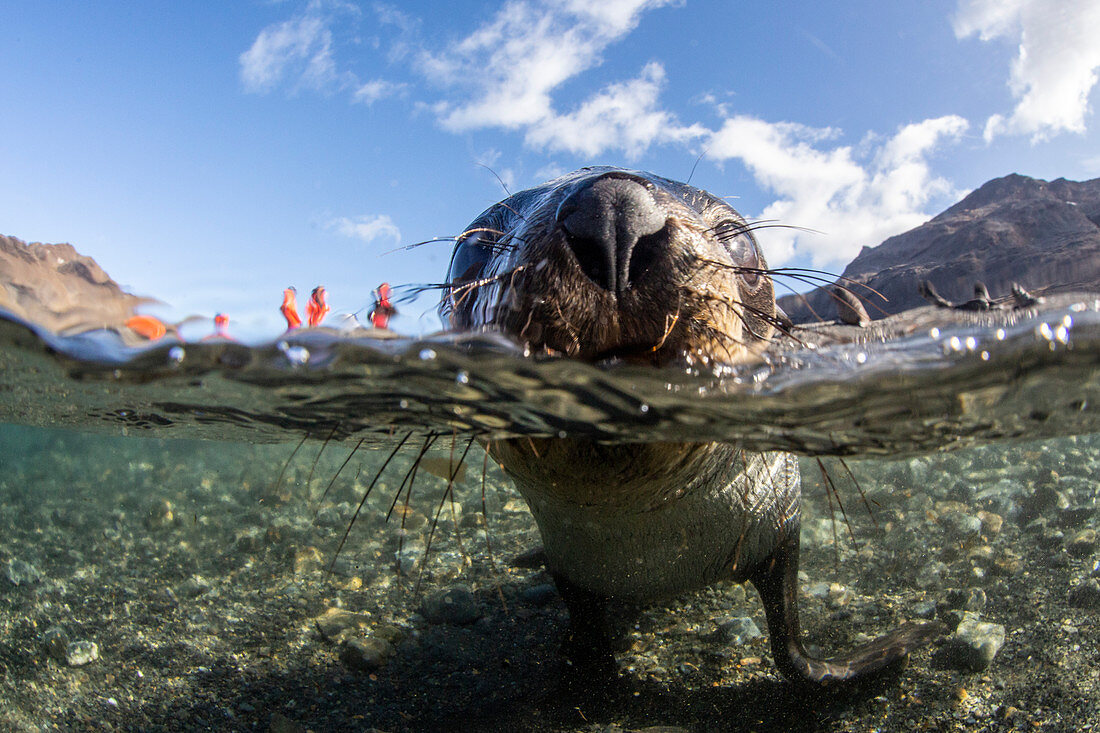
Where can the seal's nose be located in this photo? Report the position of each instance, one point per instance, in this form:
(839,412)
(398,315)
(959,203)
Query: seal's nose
(615,228)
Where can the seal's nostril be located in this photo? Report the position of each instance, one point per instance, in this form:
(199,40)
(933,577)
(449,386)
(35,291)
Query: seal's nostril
(604,221)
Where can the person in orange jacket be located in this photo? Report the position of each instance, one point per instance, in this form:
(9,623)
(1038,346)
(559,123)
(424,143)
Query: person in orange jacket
(289,309)
(316,308)
(221,329)
(383,307)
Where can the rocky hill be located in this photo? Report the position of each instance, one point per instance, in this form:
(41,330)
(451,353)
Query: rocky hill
(1044,235)
(59,288)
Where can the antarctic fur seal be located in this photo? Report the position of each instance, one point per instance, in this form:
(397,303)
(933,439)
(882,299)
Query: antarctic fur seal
(608,263)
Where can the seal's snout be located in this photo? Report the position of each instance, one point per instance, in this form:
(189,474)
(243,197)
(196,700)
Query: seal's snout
(615,228)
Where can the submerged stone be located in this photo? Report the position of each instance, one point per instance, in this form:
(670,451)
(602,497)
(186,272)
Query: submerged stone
(56,641)
(367,654)
(20,572)
(975,643)
(455,605)
(738,631)
(1083,543)
(1085,594)
(79,653)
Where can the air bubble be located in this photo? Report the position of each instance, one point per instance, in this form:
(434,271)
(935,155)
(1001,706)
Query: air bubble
(644,408)
(427,354)
(463,377)
(175,356)
(296,355)
(861,357)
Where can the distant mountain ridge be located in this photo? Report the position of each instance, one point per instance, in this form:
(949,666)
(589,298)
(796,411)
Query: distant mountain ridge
(55,286)
(1044,235)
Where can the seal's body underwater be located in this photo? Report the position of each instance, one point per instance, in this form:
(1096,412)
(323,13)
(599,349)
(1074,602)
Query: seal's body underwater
(608,263)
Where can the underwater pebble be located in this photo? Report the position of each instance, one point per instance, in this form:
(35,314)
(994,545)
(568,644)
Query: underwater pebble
(159,515)
(960,527)
(1008,563)
(1051,539)
(79,653)
(336,624)
(56,641)
(991,522)
(193,587)
(924,609)
(931,574)
(455,605)
(1083,543)
(249,540)
(975,643)
(307,560)
(515,506)
(409,557)
(329,516)
(1044,499)
(739,630)
(966,599)
(1085,594)
(539,595)
(20,572)
(366,654)
(1075,516)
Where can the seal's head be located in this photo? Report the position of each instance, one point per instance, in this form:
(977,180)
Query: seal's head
(604,263)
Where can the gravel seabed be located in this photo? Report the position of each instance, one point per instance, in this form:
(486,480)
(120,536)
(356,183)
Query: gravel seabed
(177,585)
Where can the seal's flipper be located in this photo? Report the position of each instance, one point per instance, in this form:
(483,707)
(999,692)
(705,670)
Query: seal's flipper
(588,646)
(776,579)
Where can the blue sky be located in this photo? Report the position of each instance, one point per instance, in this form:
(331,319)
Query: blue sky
(211,153)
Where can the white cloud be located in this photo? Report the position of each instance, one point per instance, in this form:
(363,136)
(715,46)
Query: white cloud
(370,92)
(1056,65)
(624,116)
(299,53)
(854,199)
(302,47)
(368,228)
(507,70)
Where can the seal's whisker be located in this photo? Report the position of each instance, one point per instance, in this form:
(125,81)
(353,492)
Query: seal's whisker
(488,533)
(286,465)
(363,501)
(334,477)
(422,243)
(830,486)
(448,493)
(859,488)
(410,479)
(832,525)
(309,479)
(670,323)
(574,337)
(428,441)
(738,306)
(499,179)
(468,287)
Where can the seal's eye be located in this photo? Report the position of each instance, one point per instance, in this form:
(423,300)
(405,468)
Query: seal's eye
(472,252)
(739,243)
